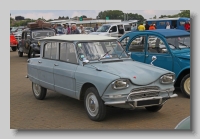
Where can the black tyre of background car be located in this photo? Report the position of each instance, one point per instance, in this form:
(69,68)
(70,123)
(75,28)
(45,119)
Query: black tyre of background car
(182,85)
(31,53)
(154,108)
(102,108)
(20,54)
(14,48)
(42,94)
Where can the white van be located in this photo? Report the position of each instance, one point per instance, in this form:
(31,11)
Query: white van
(113,30)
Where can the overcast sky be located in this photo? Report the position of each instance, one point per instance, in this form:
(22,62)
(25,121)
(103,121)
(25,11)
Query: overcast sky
(54,14)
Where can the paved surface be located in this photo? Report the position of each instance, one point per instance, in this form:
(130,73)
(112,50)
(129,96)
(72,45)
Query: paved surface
(61,112)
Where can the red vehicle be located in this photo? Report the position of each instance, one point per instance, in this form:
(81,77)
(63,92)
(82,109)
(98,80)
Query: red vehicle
(13,42)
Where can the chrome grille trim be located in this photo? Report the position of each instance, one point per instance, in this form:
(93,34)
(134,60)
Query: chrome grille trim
(144,92)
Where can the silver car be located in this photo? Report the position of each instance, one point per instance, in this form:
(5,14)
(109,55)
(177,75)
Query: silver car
(97,70)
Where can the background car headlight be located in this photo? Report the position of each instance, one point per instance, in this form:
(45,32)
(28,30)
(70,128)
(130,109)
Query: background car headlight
(120,84)
(167,78)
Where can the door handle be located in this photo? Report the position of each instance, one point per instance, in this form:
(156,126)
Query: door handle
(55,64)
(39,61)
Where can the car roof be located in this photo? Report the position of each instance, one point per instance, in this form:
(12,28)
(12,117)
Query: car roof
(80,37)
(169,32)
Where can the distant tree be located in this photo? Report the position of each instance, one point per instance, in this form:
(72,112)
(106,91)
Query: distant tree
(59,17)
(83,16)
(154,17)
(184,13)
(66,17)
(112,14)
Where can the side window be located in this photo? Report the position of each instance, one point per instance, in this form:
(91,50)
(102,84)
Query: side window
(156,45)
(137,44)
(54,50)
(161,23)
(47,50)
(114,29)
(182,23)
(51,50)
(68,53)
(124,42)
(127,27)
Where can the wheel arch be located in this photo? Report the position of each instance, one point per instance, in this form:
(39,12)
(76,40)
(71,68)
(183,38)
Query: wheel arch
(84,88)
(180,76)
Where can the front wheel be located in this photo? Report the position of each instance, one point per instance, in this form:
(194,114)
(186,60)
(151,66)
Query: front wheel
(96,110)
(20,54)
(154,108)
(39,91)
(185,85)
(31,54)
(14,48)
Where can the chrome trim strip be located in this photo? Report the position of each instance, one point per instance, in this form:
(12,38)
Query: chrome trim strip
(115,102)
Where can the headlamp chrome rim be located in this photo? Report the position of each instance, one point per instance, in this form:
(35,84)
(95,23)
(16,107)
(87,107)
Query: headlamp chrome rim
(118,80)
(165,76)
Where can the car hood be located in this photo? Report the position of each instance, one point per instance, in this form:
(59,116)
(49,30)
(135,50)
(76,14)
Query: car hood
(185,55)
(138,73)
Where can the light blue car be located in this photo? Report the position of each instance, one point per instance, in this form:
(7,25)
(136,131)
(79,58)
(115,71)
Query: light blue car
(97,70)
(168,48)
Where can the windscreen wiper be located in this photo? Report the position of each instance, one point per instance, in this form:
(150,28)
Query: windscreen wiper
(104,55)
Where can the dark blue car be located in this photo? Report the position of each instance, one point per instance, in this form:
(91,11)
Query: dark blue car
(165,48)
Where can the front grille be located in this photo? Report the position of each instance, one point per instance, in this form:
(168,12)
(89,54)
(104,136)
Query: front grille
(18,37)
(144,92)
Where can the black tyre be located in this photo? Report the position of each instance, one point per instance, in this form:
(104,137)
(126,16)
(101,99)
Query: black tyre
(20,54)
(185,85)
(154,108)
(96,110)
(31,54)
(39,91)
(14,48)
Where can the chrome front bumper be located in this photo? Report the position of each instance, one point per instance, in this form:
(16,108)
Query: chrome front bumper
(135,102)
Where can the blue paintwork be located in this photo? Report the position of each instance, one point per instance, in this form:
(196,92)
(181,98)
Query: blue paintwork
(176,60)
(69,79)
(170,20)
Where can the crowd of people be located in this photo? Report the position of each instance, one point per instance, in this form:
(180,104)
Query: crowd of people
(67,29)
(142,27)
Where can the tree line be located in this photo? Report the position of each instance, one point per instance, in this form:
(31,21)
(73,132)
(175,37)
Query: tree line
(112,14)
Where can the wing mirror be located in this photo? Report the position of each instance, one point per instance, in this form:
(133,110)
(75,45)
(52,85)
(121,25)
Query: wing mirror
(153,59)
(110,31)
(85,61)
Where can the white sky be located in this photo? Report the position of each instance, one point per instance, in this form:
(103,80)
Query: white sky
(54,14)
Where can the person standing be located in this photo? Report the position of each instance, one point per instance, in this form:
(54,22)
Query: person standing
(68,29)
(55,28)
(141,27)
(187,26)
(96,27)
(168,26)
(147,26)
(152,27)
(74,29)
(82,30)
(64,30)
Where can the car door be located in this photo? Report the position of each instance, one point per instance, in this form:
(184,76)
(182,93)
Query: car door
(136,46)
(45,67)
(23,42)
(113,31)
(64,70)
(157,48)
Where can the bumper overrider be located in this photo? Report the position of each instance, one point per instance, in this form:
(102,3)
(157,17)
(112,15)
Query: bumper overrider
(144,98)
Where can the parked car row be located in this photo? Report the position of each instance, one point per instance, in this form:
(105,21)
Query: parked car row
(140,69)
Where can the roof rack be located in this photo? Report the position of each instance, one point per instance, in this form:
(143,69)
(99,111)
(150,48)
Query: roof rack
(39,24)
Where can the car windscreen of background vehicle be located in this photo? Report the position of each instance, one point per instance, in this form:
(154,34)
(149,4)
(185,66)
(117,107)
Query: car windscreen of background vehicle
(42,34)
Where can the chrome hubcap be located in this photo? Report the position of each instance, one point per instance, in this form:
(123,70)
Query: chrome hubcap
(92,104)
(36,89)
(187,85)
